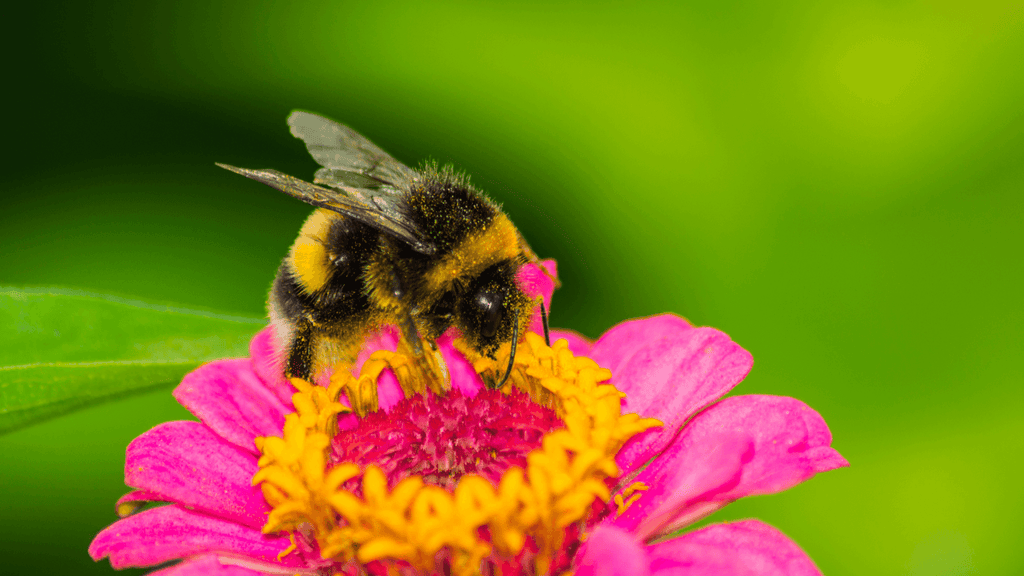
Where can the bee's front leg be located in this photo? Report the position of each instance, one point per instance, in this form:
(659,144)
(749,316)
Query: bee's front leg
(427,358)
(300,352)
(411,335)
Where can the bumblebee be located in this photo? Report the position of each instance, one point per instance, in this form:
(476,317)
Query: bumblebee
(420,249)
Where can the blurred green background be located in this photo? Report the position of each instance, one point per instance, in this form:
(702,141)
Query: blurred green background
(836,185)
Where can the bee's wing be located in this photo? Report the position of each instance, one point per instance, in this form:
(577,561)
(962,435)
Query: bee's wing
(374,207)
(347,156)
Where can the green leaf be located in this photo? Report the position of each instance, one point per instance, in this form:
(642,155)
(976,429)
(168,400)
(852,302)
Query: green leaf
(61,350)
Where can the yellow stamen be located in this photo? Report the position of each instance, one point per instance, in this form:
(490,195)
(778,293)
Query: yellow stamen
(362,391)
(413,521)
(126,509)
(289,549)
(633,492)
(416,375)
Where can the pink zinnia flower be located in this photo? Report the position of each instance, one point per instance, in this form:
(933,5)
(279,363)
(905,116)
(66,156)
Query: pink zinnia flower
(557,473)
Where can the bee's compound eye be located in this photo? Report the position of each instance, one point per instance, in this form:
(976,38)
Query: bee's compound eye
(490,305)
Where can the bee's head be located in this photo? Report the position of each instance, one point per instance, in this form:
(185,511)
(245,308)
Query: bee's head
(489,309)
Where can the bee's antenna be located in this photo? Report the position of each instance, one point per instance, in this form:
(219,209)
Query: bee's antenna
(544,321)
(512,353)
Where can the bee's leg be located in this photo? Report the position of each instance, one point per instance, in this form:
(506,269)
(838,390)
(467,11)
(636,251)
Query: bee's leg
(430,362)
(411,335)
(544,321)
(512,352)
(300,354)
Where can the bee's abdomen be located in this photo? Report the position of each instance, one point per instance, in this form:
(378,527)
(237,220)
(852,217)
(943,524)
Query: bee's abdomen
(322,278)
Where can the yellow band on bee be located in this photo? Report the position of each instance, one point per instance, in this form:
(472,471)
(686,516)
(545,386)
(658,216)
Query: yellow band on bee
(497,242)
(309,257)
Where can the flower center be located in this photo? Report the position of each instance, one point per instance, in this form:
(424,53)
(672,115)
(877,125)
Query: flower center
(450,484)
(441,439)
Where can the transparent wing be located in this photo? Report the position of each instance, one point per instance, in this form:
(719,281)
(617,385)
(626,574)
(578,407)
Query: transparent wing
(364,205)
(340,149)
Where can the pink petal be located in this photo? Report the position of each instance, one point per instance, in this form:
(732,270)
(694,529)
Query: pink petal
(268,362)
(789,443)
(792,443)
(207,565)
(231,399)
(534,282)
(669,370)
(679,480)
(745,548)
(171,532)
(186,463)
(389,391)
(612,552)
(463,377)
(578,344)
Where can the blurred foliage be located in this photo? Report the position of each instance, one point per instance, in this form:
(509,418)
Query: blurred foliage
(836,185)
(62,350)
